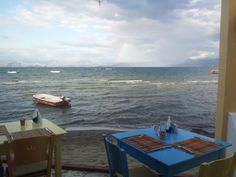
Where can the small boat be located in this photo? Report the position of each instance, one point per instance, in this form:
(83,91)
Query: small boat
(214,71)
(11,72)
(54,71)
(52,100)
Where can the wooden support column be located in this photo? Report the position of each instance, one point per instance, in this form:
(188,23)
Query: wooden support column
(227,77)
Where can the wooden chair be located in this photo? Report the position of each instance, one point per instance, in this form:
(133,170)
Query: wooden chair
(30,157)
(222,168)
(118,165)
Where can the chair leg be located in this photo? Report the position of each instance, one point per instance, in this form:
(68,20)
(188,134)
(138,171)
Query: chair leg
(1,170)
(6,172)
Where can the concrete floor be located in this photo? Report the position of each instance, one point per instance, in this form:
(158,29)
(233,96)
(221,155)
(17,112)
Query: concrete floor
(66,173)
(83,174)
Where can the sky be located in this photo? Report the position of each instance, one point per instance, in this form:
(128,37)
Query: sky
(114,33)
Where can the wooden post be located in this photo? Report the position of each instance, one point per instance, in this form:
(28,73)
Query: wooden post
(227,77)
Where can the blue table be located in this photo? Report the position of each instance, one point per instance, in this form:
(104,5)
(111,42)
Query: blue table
(170,161)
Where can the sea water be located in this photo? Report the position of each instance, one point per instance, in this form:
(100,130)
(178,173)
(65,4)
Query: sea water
(113,97)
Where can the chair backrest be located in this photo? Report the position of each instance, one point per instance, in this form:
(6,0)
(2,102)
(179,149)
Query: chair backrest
(222,168)
(31,150)
(117,159)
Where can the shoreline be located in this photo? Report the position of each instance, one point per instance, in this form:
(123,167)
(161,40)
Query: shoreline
(112,129)
(201,131)
(85,146)
(85,150)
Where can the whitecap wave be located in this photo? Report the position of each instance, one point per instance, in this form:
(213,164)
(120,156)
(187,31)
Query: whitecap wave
(128,81)
(189,82)
(21,82)
(202,81)
(163,84)
(166,83)
(11,72)
(28,82)
(103,80)
(9,83)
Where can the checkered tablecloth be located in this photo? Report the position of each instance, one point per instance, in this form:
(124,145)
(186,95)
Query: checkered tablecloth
(31,133)
(197,146)
(145,143)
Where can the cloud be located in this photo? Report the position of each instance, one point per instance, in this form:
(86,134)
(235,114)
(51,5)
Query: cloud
(202,55)
(153,9)
(5,37)
(143,33)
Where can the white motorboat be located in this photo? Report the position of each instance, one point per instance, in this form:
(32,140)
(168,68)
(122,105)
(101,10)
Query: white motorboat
(55,71)
(52,100)
(11,72)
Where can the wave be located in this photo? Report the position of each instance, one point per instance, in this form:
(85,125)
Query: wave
(28,82)
(164,83)
(189,82)
(186,81)
(129,81)
(103,80)
(9,83)
(21,82)
(202,81)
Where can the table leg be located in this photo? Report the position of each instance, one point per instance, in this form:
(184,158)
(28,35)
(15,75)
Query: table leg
(167,175)
(222,154)
(57,155)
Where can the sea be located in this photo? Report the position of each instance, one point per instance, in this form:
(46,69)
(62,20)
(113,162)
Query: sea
(113,97)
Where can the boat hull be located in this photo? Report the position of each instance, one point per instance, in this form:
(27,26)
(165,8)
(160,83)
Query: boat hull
(50,100)
(63,103)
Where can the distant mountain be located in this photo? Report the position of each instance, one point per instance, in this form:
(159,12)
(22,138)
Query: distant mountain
(37,65)
(121,65)
(117,65)
(18,64)
(209,63)
(15,64)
